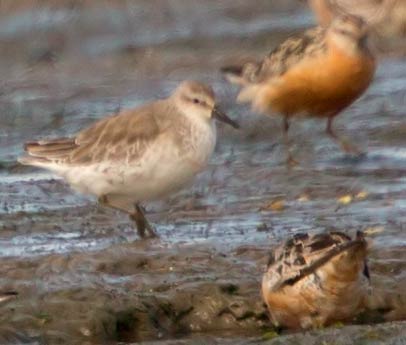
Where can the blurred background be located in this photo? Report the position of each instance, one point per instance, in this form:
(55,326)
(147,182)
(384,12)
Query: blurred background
(79,270)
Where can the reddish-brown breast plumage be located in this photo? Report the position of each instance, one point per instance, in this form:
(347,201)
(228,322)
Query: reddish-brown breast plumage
(321,86)
(318,73)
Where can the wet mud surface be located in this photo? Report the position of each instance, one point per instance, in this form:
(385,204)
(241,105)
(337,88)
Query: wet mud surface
(81,272)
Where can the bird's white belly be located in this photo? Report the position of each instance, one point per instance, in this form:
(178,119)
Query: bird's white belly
(168,177)
(162,170)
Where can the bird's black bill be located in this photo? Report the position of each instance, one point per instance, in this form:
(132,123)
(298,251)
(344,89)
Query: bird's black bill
(219,115)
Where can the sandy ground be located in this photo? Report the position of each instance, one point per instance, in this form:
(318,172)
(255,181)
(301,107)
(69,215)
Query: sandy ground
(82,274)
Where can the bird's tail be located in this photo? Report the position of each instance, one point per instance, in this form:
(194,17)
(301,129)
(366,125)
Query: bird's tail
(234,74)
(242,74)
(252,90)
(39,153)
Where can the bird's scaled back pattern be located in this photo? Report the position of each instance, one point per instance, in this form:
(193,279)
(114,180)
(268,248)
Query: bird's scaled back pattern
(119,137)
(282,58)
(314,280)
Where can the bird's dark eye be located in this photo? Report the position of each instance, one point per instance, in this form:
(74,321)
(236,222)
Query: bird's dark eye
(196,101)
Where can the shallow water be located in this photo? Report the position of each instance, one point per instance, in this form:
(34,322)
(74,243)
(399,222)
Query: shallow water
(79,268)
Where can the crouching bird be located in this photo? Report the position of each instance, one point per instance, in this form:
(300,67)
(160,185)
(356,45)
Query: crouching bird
(315,280)
(318,73)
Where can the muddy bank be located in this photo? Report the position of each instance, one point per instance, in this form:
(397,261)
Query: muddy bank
(137,291)
(388,334)
(153,290)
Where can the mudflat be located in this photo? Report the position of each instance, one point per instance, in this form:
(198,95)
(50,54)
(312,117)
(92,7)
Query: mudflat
(81,272)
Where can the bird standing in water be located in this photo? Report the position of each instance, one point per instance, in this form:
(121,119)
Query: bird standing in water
(318,74)
(140,154)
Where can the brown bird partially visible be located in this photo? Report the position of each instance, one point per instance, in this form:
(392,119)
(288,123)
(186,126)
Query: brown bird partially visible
(386,17)
(318,73)
(316,280)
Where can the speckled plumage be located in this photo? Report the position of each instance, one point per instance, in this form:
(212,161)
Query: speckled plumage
(314,280)
(318,73)
(286,55)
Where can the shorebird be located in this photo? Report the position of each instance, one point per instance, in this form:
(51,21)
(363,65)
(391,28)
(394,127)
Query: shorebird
(386,17)
(316,280)
(318,73)
(140,154)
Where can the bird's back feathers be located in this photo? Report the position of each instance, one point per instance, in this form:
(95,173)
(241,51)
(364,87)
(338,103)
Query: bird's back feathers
(280,59)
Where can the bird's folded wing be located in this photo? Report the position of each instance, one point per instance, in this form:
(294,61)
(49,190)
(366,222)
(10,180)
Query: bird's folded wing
(114,138)
(281,59)
(304,254)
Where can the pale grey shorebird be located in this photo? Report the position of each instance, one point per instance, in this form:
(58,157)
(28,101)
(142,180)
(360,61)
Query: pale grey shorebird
(140,154)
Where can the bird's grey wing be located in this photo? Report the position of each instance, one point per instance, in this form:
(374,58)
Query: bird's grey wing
(114,138)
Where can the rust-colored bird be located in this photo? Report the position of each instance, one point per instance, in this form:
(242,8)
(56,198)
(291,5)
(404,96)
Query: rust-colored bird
(316,280)
(318,73)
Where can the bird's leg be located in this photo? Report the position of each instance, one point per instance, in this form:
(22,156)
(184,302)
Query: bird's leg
(344,144)
(290,161)
(103,200)
(136,214)
(142,222)
(109,201)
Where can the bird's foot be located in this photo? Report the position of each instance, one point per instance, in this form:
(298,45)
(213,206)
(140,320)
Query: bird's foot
(350,149)
(291,162)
